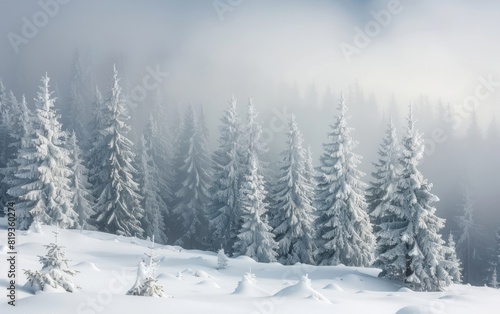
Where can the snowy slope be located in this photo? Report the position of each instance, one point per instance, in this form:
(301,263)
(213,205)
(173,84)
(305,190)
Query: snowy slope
(108,266)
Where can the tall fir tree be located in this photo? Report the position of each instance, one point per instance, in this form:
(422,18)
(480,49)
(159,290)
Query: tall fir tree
(118,207)
(10,134)
(381,193)
(76,113)
(344,229)
(224,209)
(255,238)
(292,212)
(192,177)
(5,125)
(153,204)
(416,254)
(468,239)
(20,136)
(43,190)
(82,190)
(97,145)
(451,261)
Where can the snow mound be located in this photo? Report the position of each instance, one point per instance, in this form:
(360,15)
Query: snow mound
(333,286)
(248,287)
(201,274)
(86,266)
(405,289)
(414,310)
(209,283)
(167,276)
(302,290)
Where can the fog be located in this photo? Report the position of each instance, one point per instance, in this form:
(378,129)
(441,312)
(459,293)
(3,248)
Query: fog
(289,57)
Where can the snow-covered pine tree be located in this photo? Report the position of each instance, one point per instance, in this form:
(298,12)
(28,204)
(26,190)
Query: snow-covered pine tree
(451,261)
(21,136)
(417,253)
(468,237)
(118,207)
(192,177)
(221,259)
(224,209)
(154,206)
(493,280)
(55,271)
(381,193)
(163,153)
(146,283)
(43,167)
(344,230)
(255,238)
(5,126)
(9,139)
(82,190)
(292,213)
(96,146)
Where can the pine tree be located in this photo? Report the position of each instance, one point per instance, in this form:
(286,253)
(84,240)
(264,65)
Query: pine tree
(467,240)
(21,138)
(97,145)
(221,259)
(163,154)
(255,238)
(344,229)
(192,175)
(82,190)
(493,282)
(146,283)
(118,207)
(5,126)
(292,218)
(10,134)
(43,169)
(154,206)
(416,254)
(381,194)
(76,113)
(55,271)
(451,261)
(224,209)
(492,279)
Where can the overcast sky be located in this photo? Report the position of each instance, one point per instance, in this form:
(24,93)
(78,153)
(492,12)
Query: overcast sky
(438,48)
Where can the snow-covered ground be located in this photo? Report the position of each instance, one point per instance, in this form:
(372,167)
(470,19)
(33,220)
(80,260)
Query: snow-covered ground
(108,267)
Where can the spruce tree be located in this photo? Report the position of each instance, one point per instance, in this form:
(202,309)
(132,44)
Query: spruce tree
(451,261)
(55,271)
(21,134)
(292,212)
(381,193)
(468,238)
(221,259)
(10,134)
(153,204)
(118,207)
(416,254)
(224,209)
(255,238)
(344,230)
(192,176)
(82,190)
(43,169)
(146,283)
(97,145)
